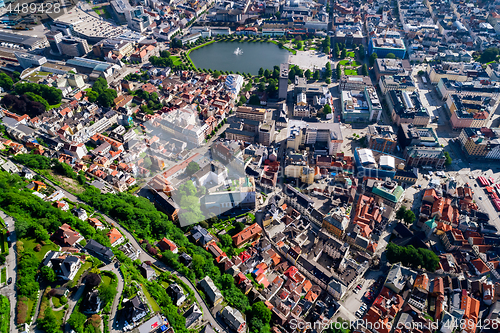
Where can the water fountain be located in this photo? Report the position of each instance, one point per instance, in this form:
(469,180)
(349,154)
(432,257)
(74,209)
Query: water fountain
(238,51)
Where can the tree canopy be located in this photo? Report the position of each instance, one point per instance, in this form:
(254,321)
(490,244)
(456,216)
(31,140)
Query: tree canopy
(410,256)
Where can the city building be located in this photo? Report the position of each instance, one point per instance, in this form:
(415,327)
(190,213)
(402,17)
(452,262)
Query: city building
(383,46)
(325,138)
(283,81)
(481,142)
(391,67)
(446,87)
(411,135)
(396,82)
(27,60)
(336,222)
(382,138)
(54,37)
(372,163)
(360,106)
(468,111)
(354,82)
(25,41)
(234,319)
(213,293)
(73,46)
(407,108)
(424,156)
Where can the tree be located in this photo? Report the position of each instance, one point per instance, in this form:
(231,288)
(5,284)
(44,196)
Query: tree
(364,70)
(327,50)
(448,158)
(262,86)
(400,214)
(261,71)
(390,56)
(489,55)
(192,168)
(272,87)
(316,75)
(243,99)
(267,73)
(48,273)
(361,51)
(343,54)
(92,96)
(239,226)
(254,100)
(327,109)
(308,74)
(328,80)
(261,311)
(338,71)
(5,81)
(92,280)
(409,217)
(372,59)
(107,293)
(337,50)
(216,74)
(49,323)
(198,264)
(77,320)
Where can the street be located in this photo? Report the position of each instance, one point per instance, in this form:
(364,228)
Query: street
(9,290)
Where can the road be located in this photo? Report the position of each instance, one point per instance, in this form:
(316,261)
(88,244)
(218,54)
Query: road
(11,262)
(144,256)
(71,306)
(116,301)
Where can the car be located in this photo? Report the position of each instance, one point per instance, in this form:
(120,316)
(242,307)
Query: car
(9,281)
(355,290)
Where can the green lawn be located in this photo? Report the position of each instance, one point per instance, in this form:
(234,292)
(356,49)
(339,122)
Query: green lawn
(106,280)
(3,241)
(4,314)
(176,60)
(350,72)
(151,300)
(351,54)
(30,244)
(82,269)
(346,62)
(56,301)
(59,315)
(31,304)
(4,275)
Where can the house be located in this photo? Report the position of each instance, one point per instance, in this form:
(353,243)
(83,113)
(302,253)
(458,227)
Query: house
(96,224)
(167,245)
(62,205)
(27,173)
(66,237)
(37,186)
(10,167)
(201,235)
(80,213)
(146,271)
(176,293)
(65,266)
(135,310)
(193,316)
(213,293)
(115,237)
(234,319)
(251,233)
(130,251)
(100,251)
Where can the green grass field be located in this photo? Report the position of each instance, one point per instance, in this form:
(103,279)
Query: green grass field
(176,60)
(350,72)
(347,63)
(30,244)
(351,54)
(151,300)
(82,269)
(4,275)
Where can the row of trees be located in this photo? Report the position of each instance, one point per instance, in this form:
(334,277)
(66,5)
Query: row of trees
(410,256)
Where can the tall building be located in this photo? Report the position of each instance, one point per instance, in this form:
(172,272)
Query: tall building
(283,81)
(27,60)
(54,37)
(383,46)
(73,46)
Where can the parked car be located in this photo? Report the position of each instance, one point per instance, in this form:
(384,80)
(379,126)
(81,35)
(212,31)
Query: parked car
(9,281)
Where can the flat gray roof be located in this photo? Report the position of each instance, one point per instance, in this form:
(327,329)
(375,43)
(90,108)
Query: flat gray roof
(19,39)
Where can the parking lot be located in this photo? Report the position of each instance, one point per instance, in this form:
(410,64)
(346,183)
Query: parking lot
(354,301)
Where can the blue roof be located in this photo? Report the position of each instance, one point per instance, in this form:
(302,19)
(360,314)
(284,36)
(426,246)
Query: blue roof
(163,328)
